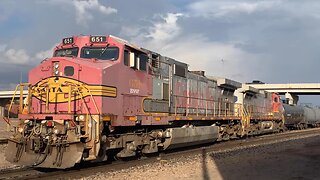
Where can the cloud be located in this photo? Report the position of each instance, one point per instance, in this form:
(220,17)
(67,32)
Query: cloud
(217,59)
(84,9)
(167,37)
(166,30)
(45,53)
(83,6)
(209,8)
(19,56)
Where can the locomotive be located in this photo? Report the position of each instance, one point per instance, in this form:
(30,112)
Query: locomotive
(101,96)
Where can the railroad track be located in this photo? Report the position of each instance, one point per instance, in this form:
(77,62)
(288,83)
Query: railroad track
(90,169)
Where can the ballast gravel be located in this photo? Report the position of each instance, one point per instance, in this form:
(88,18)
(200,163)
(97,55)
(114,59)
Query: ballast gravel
(3,163)
(294,158)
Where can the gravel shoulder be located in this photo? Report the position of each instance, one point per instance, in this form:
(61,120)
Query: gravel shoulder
(295,158)
(4,134)
(3,163)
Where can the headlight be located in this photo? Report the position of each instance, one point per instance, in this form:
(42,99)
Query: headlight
(55,68)
(43,122)
(81,117)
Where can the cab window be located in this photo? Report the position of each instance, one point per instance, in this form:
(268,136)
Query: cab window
(143,62)
(126,58)
(101,53)
(70,52)
(139,60)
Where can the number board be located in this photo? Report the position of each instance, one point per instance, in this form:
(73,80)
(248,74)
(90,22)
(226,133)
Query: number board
(68,40)
(98,39)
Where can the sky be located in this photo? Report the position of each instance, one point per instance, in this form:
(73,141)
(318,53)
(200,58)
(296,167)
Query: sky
(274,41)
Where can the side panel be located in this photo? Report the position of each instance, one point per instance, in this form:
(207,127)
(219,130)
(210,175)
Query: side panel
(179,95)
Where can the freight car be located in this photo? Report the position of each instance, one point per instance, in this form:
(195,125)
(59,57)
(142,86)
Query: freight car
(301,117)
(101,96)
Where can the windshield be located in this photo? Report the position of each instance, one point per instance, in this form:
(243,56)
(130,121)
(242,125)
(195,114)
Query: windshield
(66,52)
(102,53)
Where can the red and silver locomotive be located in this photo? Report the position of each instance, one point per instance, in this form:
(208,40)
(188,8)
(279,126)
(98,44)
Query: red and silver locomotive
(101,96)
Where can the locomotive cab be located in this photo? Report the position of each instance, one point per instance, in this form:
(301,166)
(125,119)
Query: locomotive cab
(93,47)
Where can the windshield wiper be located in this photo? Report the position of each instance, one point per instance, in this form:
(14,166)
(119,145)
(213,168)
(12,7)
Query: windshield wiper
(104,50)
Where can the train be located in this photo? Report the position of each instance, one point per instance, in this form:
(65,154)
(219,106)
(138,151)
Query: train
(301,117)
(101,97)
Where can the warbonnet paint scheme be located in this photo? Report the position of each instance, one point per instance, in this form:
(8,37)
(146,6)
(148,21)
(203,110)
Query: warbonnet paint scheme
(101,96)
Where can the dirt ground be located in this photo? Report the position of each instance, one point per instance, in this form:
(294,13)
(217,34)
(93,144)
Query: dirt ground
(4,134)
(299,159)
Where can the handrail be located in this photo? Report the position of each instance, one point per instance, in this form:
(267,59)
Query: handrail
(87,123)
(21,85)
(12,99)
(220,108)
(87,114)
(69,98)
(94,102)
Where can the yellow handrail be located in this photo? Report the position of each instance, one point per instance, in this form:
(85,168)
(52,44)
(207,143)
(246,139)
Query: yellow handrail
(69,99)
(12,99)
(87,123)
(94,102)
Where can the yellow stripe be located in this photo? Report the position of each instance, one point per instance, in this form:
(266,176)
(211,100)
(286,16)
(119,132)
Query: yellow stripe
(59,90)
(102,90)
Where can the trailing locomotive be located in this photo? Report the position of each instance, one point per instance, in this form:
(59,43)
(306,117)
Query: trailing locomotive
(101,96)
